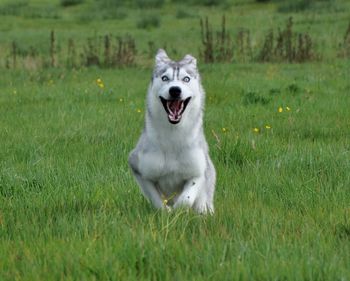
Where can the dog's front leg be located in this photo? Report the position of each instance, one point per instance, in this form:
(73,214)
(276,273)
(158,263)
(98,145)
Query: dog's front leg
(190,192)
(150,191)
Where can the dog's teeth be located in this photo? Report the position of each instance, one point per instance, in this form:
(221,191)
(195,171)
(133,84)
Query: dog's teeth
(174,108)
(182,107)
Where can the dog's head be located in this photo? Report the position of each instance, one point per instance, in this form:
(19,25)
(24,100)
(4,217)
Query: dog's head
(175,85)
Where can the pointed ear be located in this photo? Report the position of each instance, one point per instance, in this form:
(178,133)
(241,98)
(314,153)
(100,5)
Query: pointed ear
(161,57)
(188,59)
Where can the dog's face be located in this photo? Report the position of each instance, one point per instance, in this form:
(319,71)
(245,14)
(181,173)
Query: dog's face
(175,85)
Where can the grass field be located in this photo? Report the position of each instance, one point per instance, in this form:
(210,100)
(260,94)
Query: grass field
(278,135)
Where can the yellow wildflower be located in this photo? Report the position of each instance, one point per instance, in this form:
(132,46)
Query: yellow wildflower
(256,130)
(280,109)
(138,110)
(288,108)
(268,127)
(100,83)
(224,130)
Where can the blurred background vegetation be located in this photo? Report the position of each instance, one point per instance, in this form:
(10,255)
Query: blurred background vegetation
(114,33)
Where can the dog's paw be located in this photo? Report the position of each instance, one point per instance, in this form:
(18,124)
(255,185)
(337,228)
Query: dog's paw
(204,209)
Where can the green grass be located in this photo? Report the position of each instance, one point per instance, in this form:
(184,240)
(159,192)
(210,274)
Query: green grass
(70,209)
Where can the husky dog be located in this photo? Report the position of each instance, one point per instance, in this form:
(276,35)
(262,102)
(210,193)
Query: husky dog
(170,161)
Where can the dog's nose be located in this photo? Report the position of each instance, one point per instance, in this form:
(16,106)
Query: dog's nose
(175,92)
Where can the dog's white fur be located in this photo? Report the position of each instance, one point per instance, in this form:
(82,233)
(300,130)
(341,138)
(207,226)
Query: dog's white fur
(171,162)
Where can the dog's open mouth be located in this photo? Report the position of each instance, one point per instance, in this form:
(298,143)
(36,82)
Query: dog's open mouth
(175,108)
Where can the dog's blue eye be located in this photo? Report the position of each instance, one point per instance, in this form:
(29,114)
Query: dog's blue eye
(186,79)
(165,78)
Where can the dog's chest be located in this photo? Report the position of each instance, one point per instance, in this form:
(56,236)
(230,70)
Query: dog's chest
(172,165)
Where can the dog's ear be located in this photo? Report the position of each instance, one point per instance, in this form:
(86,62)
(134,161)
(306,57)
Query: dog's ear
(189,59)
(161,57)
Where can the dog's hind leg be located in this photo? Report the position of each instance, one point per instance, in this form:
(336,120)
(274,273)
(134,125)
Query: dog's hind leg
(190,192)
(205,201)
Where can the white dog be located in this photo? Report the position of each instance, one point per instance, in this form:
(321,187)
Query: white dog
(171,162)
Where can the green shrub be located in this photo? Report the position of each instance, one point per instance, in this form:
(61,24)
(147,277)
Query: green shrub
(103,14)
(182,14)
(111,4)
(149,3)
(142,4)
(288,6)
(294,6)
(148,21)
(13,8)
(41,12)
(251,97)
(203,2)
(212,2)
(22,8)
(66,3)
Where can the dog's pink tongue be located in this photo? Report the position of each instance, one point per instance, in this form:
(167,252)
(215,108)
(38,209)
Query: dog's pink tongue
(175,106)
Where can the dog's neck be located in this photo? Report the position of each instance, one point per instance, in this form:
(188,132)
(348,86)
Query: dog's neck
(183,134)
